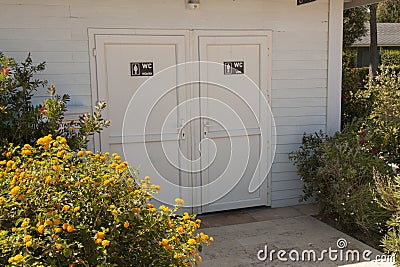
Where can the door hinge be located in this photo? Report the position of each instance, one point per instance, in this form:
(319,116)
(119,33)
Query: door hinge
(94,52)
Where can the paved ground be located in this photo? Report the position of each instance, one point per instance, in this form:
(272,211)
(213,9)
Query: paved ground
(243,236)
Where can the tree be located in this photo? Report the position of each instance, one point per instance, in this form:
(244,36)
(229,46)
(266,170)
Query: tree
(354,20)
(388,11)
(373,48)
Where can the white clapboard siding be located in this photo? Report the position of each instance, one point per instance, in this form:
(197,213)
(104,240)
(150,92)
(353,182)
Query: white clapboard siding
(56,31)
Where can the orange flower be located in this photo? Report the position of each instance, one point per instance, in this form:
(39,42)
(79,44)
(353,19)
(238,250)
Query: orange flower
(105,243)
(57,221)
(14,190)
(126,224)
(100,235)
(40,229)
(66,207)
(70,228)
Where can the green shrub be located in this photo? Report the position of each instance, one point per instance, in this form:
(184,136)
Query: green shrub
(383,124)
(355,104)
(388,196)
(390,57)
(62,208)
(349,58)
(22,122)
(338,172)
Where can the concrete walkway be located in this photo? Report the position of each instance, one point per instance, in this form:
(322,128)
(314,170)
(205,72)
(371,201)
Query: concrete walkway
(244,236)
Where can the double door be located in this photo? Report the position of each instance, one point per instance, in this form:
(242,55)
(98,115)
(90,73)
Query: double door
(186,109)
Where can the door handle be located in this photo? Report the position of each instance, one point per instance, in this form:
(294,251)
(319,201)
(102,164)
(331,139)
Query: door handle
(181,131)
(205,128)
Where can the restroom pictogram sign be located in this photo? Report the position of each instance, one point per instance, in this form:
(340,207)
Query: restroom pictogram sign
(142,69)
(233,67)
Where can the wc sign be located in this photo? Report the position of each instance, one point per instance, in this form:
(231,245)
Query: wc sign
(233,67)
(142,69)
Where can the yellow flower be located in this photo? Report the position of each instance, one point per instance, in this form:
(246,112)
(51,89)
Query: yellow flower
(58,246)
(203,237)
(16,258)
(164,208)
(191,241)
(13,229)
(100,235)
(81,153)
(180,229)
(27,238)
(105,243)
(70,228)
(98,241)
(164,242)
(126,224)
(48,179)
(8,154)
(60,153)
(185,216)
(56,168)
(112,207)
(28,244)
(10,163)
(106,182)
(66,208)
(153,210)
(15,190)
(3,162)
(157,187)
(25,152)
(76,209)
(57,230)
(2,200)
(179,201)
(89,152)
(25,222)
(200,258)
(65,226)
(40,229)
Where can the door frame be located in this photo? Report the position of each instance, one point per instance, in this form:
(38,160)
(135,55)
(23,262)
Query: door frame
(192,53)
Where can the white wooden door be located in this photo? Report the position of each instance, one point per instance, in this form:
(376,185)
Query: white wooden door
(125,66)
(231,117)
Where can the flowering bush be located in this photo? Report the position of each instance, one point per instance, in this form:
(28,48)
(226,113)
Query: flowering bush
(65,208)
(338,172)
(383,124)
(22,122)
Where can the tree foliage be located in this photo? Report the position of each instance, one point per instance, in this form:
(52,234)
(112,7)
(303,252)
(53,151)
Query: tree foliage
(354,25)
(389,11)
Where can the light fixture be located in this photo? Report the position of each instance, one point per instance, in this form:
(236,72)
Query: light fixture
(192,4)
